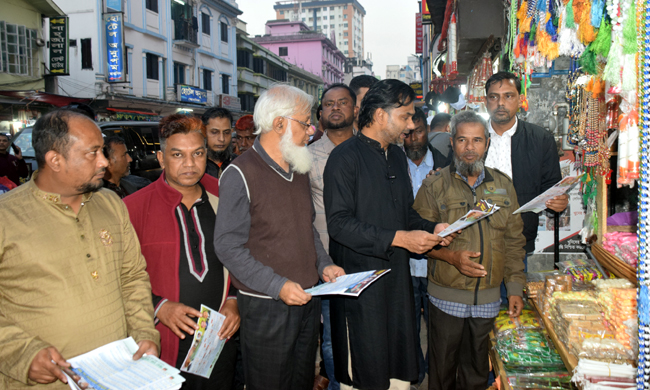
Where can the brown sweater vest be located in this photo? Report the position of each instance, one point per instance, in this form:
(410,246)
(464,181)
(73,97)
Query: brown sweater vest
(281,234)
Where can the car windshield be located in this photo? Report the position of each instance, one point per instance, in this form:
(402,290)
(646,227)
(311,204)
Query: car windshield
(24,141)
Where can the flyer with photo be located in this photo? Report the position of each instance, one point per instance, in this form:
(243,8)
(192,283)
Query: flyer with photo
(481,210)
(538,204)
(351,284)
(206,345)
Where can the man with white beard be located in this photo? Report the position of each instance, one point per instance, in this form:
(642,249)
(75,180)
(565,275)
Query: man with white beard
(265,236)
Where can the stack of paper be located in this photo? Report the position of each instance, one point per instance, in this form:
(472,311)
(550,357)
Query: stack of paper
(350,285)
(111,367)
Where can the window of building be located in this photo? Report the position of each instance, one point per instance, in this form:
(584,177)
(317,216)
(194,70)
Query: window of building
(225,84)
(345,25)
(345,6)
(259,65)
(86,54)
(245,59)
(303,19)
(152,66)
(345,16)
(281,12)
(345,43)
(247,102)
(224,32)
(152,5)
(205,23)
(331,26)
(311,19)
(179,73)
(345,34)
(284,51)
(207,80)
(17,46)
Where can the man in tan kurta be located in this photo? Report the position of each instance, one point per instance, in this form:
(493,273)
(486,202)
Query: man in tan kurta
(72,277)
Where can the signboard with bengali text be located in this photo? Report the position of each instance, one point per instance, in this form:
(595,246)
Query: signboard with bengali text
(229,102)
(189,94)
(114,26)
(418,33)
(426,16)
(59,46)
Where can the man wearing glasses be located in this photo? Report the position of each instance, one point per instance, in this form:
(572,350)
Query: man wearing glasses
(265,236)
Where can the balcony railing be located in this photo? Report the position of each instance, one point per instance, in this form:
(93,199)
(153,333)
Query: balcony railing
(186,31)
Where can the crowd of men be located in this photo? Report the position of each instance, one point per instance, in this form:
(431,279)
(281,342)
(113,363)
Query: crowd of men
(247,216)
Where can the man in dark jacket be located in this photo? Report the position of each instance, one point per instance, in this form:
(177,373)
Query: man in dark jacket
(218,125)
(523,151)
(14,167)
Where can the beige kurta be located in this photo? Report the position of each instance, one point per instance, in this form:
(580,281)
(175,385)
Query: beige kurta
(75,282)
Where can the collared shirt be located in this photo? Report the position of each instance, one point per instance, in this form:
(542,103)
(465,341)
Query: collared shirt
(500,152)
(119,190)
(320,152)
(234,217)
(461,310)
(478,181)
(418,174)
(72,281)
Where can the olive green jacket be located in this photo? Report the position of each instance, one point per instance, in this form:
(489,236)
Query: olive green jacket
(445,197)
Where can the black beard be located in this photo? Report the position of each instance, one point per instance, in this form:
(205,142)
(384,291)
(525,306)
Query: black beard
(90,187)
(472,169)
(327,125)
(417,154)
(221,156)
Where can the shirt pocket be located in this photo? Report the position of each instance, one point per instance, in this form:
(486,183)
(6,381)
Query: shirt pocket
(499,219)
(452,209)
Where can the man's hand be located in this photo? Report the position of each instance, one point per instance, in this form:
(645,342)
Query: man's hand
(331,272)
(45,366)
(559,203)
(17,152)
(465,265)
(431,172)
(515,305)
(146,347)
(176,317)
(446,240)
(230,325)
(416,241)
(293,295)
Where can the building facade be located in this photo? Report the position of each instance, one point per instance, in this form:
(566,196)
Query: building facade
(258,68)
(343,18)
(22,63)
(178,56)
(307,49)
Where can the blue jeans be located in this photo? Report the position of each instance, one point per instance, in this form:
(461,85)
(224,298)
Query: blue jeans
(328,356)
(504,292)
(421,300)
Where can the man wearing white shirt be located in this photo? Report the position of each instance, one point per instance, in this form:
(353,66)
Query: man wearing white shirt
(525,152)
(422,159)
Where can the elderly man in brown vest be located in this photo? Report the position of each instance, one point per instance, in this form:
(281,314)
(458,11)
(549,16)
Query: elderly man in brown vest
(265,236)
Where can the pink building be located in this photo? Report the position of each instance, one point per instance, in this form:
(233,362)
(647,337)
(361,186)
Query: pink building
(305,48)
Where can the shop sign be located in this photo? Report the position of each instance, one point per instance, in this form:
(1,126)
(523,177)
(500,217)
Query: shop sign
(114,25)
(417,88)
(229,102)
(418,33)
(189,94)
(59,44)
(426,16)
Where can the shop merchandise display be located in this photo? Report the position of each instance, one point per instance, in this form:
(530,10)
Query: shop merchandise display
(623,245)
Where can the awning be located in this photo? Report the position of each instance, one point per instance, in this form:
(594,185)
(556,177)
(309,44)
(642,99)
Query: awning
(27,97)
(131,111)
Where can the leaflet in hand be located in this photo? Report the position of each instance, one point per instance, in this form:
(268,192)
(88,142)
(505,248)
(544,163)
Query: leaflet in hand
(481,210)
(350,285)
(111,367)
(538,204)
(206,345)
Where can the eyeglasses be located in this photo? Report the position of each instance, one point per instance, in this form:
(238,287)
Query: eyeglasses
(306,125)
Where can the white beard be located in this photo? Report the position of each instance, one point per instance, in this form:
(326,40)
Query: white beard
(298,157)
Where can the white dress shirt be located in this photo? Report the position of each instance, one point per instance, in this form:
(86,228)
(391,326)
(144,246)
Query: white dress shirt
(500,153)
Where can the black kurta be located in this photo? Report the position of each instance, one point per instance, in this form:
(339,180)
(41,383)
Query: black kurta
(368,197)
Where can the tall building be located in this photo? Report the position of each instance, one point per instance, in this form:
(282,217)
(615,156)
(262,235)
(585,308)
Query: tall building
(304,48)
(344,18)
(407,73)
(258,68)
(177,55)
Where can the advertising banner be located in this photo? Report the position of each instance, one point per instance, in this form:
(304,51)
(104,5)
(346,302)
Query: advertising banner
(426,15)
(418,33)
(114,26)
(189,94)
(59,45)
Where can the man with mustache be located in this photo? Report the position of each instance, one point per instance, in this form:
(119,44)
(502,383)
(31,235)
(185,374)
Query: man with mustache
(246,135)
(422,159)
(72,277)
(525,152)
(119,165)
(173,217)
(371,225)
(464,279)
(265,235)
(218,124)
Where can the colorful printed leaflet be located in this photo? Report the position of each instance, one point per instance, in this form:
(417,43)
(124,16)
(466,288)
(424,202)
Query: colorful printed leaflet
(481,210)
(111,367)
(351,284)
(206,346)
